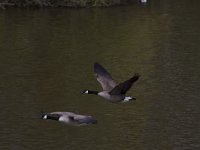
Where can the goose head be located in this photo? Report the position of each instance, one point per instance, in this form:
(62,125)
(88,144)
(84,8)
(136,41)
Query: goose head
(84,92)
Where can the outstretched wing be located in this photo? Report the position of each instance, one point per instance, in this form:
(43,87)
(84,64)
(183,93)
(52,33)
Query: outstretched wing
(84,119)
(122,88)
(104,78)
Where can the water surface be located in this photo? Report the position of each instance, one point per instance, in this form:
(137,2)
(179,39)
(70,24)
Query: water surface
(46,59)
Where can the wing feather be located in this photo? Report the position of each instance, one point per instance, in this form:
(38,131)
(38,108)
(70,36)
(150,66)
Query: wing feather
(104,78)
(123,87)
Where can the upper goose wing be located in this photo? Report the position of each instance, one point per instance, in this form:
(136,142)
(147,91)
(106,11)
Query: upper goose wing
(122,88)
(104,78)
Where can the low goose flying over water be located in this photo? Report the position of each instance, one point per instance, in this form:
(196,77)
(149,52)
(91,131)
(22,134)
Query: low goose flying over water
(112,91)
(70,118)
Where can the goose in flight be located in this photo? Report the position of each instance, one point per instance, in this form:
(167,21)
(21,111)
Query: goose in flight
(112,91)
(70,118)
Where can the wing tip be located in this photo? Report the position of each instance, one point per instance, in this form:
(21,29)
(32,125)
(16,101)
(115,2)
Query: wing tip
(96,64)
(137,75)
(98,68)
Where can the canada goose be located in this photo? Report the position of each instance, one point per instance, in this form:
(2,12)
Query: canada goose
(70,118)
(112,91)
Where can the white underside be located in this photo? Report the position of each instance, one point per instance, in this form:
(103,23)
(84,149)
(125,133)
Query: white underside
(143,1)
(63,119)
(127,99)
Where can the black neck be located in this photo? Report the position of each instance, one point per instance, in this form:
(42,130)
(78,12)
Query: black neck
(53,117)
(92,92)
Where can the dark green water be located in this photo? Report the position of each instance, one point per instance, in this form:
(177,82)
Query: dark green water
(46,59)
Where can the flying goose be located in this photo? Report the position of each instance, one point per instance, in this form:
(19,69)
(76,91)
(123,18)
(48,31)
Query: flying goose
(112,91)
(70,118)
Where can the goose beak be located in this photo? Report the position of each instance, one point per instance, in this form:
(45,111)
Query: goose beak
(83,92)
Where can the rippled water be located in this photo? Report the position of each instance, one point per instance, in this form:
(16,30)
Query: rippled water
(46,59)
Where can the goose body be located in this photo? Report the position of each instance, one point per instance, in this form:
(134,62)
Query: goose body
(112,91)
(70,118)
(111,98)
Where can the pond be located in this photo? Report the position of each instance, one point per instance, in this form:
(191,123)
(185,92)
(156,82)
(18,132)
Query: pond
(47,57)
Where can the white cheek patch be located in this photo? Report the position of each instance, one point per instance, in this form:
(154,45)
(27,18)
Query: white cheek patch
(87,92)
(45,117)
